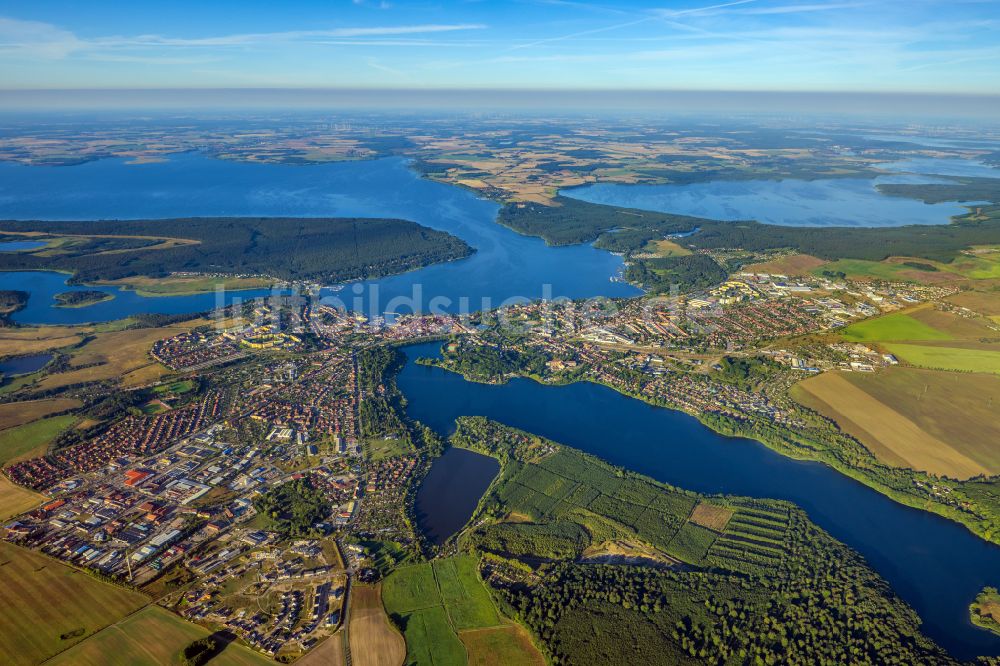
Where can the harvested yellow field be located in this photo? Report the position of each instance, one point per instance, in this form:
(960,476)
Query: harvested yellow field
(792,264)
(957,326)
(15,500)
(329,653)
(18,413)
(115,354)
(894,437)
(15,341)
(985,301)
(374,641)
(668,248)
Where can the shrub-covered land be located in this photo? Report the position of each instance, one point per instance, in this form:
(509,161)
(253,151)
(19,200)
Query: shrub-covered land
(12,300)
(628,230)
(284,248)
(769,587)
(79,299)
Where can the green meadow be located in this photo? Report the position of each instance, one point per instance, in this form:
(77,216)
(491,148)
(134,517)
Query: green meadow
(433,601)
(895,326)
(948,358)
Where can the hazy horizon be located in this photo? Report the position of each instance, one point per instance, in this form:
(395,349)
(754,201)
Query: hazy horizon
(907,105)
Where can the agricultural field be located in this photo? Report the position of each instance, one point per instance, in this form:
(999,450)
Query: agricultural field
(15,500)
(894,269)
(437,603)
(30,340)
(31,439)
(985,300)
(500,646)
(712,516)
(907,417)
(117,354)
(78,606)
(151,637)
(430,638)
(466,599)
(791,264)
(374,641)
(981,262)
(953,324)
(950,341)
(177,285)
(975,263)
(959,359)
(19,413)
(666,248)
(330,653)
(896,326)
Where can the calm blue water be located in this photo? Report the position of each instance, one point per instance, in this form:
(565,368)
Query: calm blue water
(938,166)
(24,365)
(451,491)
(19,246)
(44,285)
(840,202)
(936,565)
(505,266)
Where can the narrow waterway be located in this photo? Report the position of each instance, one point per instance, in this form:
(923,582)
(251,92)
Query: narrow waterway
(936,565)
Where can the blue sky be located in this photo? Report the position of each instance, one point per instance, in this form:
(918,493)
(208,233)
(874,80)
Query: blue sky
(937,46)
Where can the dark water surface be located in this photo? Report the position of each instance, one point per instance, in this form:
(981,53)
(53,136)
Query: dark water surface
(936,565)
(24,365)
(451,490)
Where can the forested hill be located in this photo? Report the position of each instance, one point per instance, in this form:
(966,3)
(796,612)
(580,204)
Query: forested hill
(322,249)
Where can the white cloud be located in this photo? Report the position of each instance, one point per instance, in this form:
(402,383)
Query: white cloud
(36,39)
(33,39)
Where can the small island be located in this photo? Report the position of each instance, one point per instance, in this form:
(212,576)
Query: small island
(81,299)
(985,610)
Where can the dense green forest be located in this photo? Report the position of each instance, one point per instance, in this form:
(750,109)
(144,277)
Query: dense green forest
(284,248)
(293,508)
(626,230)
(759,583)
(959,189)
(490,363)
(694,271)
(378,413)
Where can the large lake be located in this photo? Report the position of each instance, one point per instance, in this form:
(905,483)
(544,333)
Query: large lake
(936,565)
(505,266)
(829,202)
(44,285)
